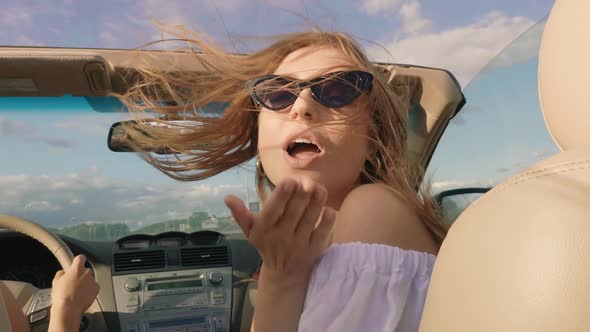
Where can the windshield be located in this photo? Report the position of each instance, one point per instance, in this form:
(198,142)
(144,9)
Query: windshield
(62,175)
(58,171)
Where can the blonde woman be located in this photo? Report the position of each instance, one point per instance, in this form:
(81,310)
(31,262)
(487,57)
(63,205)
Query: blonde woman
(346,241)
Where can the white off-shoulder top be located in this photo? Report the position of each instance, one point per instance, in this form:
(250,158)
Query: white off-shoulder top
(367,287)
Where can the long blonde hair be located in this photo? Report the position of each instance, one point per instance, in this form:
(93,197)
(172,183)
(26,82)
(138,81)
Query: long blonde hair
(222,142)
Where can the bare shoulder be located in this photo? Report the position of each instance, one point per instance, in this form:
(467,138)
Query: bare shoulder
(371,213)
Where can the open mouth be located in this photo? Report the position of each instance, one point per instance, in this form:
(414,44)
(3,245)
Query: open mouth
(302,148)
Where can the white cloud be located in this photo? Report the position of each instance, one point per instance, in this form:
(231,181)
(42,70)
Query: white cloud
(410,12)
(297,6)
(182,12)
(412,18)
(373,7)
(56,31)
(91,124)
(109,33)
(23,40)
(523,49)
(462,50)
(204,190)
(75,201)
(90,195)
(108,37)
(16,17)
(42,206)
(66,13)
(166,11)
(11,128)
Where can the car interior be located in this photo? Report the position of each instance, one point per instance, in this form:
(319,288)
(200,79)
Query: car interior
(173,280)
(514,259)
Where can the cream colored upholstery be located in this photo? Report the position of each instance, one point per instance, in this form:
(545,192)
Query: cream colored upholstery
(4,319)
(518,259)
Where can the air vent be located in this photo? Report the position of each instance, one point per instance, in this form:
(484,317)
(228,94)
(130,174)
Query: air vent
(206,256)
(142,260)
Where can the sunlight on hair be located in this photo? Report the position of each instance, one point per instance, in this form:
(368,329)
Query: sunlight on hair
(231,137)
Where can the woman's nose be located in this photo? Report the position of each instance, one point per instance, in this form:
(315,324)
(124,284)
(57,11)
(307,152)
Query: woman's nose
(305,107)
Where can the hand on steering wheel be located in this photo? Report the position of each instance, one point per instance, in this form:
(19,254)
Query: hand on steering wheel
(34,302)
(73,291)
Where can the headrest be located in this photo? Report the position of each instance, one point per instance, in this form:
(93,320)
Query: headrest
(564,73)
(517,259)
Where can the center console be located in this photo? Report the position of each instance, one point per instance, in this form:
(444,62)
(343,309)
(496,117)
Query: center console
(174,297)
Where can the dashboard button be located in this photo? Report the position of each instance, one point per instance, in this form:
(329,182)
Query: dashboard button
(132,285)
(215,278)
(37,316)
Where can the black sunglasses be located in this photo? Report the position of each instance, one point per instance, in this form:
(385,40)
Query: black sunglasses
(334,90)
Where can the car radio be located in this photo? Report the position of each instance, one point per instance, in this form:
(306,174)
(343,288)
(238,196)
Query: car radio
(185,301)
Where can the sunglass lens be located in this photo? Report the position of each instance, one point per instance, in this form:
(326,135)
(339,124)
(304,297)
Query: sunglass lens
(341,90)
(278,99)
(275,94)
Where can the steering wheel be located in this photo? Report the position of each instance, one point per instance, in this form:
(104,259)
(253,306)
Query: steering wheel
(34,302)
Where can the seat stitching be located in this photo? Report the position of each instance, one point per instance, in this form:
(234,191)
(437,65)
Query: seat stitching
(547,168)
(520,180)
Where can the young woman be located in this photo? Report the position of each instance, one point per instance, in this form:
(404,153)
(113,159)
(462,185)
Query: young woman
(346,241)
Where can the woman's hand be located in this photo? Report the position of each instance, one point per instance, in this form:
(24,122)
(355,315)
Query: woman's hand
(292,230)
(75,289)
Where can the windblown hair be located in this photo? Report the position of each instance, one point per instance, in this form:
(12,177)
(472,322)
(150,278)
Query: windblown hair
(223,142)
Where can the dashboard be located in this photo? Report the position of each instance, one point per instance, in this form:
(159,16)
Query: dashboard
(172,281)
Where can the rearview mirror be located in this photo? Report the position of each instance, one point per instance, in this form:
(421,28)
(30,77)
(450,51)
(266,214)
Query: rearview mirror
(120,141)
(454,202)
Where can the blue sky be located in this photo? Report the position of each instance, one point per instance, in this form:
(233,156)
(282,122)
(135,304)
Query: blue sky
(59,170)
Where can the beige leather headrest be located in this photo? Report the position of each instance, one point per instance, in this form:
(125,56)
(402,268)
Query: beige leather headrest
(564,73)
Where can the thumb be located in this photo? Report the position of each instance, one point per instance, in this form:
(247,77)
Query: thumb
(240,212)
(59,274)
(78,263)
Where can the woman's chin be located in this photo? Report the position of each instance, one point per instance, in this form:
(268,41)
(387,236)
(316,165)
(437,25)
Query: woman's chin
(299,175)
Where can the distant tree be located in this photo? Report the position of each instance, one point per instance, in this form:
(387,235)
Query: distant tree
(196,219)
(95,231)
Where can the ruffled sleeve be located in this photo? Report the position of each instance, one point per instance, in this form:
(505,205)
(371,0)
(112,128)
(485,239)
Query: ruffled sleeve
(367,287)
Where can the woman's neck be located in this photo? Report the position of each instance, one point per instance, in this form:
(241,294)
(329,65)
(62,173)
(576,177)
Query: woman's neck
(337,196)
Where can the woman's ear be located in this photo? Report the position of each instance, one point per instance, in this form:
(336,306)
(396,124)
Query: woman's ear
(372,149)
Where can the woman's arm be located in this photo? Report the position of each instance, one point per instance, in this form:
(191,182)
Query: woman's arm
(289,242)
(64,319)
(73,291)
(279,303)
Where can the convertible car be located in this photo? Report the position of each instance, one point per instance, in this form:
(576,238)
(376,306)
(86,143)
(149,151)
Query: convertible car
(167,254)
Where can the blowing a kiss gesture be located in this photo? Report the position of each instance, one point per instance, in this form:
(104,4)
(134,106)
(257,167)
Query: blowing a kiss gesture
(292,230)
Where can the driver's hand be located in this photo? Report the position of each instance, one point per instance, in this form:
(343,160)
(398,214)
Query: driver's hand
(74,290)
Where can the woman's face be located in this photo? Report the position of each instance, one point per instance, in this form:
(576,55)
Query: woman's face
(341,135)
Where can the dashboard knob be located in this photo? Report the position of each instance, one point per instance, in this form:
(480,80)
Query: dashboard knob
(132,285)
(215,278)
